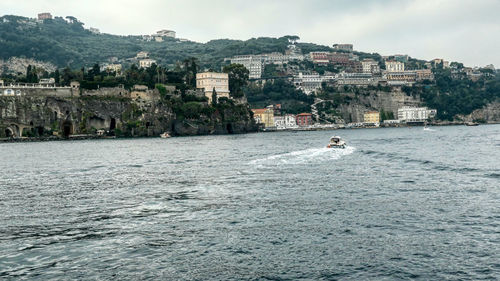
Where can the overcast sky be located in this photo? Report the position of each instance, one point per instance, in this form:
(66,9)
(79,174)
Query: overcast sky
(457,30)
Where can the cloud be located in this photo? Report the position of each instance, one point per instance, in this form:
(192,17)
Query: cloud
(460,30)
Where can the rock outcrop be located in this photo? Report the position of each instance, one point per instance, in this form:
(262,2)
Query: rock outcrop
(40,114)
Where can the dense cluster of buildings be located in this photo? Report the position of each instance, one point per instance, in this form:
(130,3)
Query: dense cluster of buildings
(256,63)
(271,118)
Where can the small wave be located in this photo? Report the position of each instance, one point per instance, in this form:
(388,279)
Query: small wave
(306,155)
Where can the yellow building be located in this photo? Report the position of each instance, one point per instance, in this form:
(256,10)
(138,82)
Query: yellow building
(208,81)
(372,118)
(264,116)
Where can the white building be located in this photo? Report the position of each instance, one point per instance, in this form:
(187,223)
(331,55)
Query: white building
(208,81)
(394,66)
(415,114)
(356,79)
(112,67)
(287,121)
(166,33)
(308,83)
(142,55)
(145,63)
(370,66)
(254,64)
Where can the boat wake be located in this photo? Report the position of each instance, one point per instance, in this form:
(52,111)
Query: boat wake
(304,156)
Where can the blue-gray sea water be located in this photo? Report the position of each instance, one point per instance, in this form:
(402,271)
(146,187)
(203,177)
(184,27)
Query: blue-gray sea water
(396,204)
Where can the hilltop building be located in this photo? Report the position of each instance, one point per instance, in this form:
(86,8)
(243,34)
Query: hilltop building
(208,81)
(44,16)
(344,47)
(166,33)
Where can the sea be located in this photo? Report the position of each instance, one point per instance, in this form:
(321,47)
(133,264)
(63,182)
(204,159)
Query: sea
(396,204)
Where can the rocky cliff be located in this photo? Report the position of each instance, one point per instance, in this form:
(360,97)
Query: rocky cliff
(350,107)
(488,114)
(44,115)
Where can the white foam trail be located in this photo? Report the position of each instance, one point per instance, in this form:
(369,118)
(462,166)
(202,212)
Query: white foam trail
(303,156)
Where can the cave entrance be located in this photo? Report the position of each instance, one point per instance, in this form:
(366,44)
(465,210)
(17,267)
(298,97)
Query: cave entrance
(9,133)
(40,131)
(112,125)
(67,128)
(229,128)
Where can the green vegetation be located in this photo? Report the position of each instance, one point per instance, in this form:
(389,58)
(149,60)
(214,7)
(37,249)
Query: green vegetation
(456,96)
(66,43)
(279,91)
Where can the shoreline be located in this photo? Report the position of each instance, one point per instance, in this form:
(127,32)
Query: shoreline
(304,129)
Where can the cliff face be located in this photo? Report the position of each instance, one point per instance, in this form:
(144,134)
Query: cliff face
(355,105)
(489,114)
(35,116)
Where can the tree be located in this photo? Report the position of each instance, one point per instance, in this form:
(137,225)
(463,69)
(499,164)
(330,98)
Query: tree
(57,77)
(214,97)
(238,79)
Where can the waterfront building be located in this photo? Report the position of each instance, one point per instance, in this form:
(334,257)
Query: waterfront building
(165,33)
(371,118)
(145,63)
(264,116)
(44,16)
(254,64)
(415,114)
(208,81)
(394,66)
(304,119)
(344,47)
(287,121)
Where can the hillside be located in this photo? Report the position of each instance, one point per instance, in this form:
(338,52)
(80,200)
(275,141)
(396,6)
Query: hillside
(65,42)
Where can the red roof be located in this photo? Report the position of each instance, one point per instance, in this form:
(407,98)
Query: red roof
(304,114)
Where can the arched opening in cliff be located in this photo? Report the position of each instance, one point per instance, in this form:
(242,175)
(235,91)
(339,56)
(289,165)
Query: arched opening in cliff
(67,128)
(40,131)
(229,128)
(9,133)
(112,125)
(55,115)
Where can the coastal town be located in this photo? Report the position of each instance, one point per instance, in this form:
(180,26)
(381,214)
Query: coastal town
(335,89)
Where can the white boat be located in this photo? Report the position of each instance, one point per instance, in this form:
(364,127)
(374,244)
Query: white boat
(427,129)
(165,135)
(336,142)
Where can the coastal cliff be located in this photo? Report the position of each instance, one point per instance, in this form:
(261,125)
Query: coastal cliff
(40,114)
